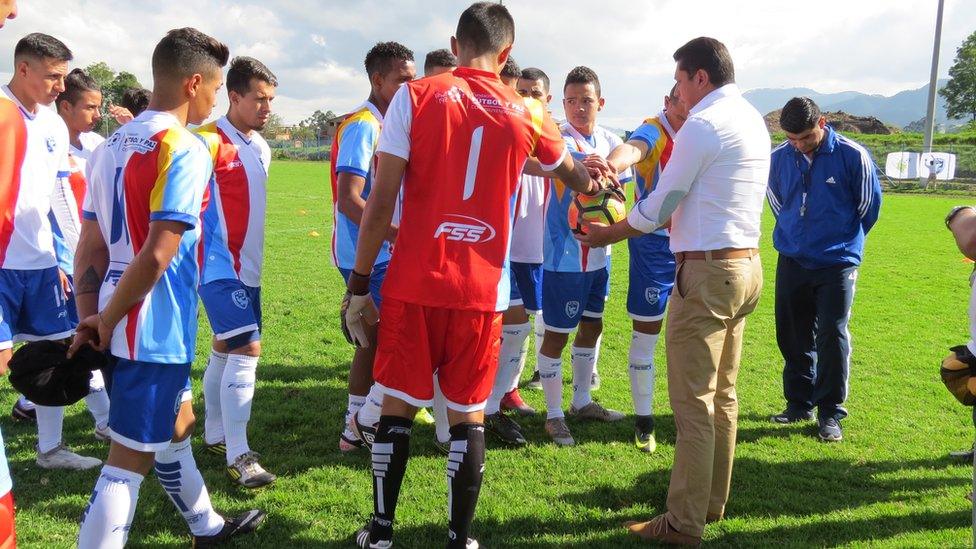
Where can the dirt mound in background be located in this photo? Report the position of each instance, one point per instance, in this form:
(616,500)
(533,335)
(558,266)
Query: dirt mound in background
(840,121)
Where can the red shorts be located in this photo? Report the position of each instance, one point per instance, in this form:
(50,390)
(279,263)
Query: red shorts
(8,537)
(416,342)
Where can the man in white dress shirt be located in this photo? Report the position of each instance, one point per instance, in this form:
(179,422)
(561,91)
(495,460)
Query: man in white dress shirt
(712,193)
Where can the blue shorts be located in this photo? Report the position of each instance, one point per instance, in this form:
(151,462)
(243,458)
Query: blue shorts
(526,286)
(375,281)
(33,306)
(70,304)
(569,297)
(651,276)
(144,399)
(233,309)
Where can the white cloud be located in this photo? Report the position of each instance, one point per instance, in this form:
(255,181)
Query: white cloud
(316,49)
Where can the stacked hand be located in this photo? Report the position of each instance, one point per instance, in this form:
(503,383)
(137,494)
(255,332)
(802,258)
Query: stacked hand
(120,114)
(605,176)
(93,331)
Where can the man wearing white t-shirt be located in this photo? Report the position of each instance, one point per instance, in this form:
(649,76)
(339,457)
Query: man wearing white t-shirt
(33,291)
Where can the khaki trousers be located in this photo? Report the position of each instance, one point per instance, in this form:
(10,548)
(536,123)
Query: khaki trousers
(706,318)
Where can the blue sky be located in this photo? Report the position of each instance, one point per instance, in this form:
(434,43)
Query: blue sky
(316,47)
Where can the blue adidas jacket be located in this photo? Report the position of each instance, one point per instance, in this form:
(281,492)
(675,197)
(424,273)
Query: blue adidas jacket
(825,208)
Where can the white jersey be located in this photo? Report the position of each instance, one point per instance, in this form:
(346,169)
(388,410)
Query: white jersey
(40,154)
(82,156)
(233,220)
(528,224)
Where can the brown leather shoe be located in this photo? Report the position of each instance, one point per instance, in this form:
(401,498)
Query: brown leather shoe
(657,529)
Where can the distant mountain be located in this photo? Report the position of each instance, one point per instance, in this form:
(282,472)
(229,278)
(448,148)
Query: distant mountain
(900,109)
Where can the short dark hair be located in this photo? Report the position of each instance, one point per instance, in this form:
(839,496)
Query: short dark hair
(243,69)
(439,58)
(707,54)
(380,57)
(40,46)
(136,100)
(533,73)
(187,51)
(799,115)
(75,84)
(511,68)
(583,75)
(485,27)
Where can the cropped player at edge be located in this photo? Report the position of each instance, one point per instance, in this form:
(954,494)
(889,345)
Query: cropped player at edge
(458,142)
(232,253)
(652,264)
(138,262)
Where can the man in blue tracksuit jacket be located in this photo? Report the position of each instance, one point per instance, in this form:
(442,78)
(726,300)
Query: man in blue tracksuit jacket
(825,195)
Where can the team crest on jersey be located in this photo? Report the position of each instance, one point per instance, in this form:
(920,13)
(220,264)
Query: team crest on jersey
(240,298)
(51,143)
(572,308)
(652,295)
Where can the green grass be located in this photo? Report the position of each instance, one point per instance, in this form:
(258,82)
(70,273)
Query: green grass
(889,484)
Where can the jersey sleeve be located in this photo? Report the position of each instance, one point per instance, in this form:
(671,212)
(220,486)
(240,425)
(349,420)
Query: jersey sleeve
(99,158)
(395,136)
(550,149)
(178,191)
(648,133)
(356,148)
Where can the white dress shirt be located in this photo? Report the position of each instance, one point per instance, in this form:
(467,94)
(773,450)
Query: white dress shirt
(715,181)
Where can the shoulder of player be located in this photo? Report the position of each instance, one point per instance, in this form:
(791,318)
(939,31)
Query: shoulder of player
(850,148)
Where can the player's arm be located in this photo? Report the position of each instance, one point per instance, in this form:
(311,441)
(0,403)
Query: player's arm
(91,264)
(627,154)
(962,222)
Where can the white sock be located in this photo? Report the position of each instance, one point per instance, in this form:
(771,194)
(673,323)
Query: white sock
(369,414)
(442,427)
(25,403)
(353,405)
(236,395)
(213,424)
(584,361)
(551,375)
(108,515)
(97,400)
(523,356)
(539,328)
(49,422)
(512,352)
(596,353)
(642,372)
(181,479)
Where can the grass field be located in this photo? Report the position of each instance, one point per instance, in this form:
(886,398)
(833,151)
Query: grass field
(889,484)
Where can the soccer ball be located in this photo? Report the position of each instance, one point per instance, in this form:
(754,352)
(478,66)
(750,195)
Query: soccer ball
(606,208)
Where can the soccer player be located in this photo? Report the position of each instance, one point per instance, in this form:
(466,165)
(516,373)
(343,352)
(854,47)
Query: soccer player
(137,293)
(510,73)
(525,280)
(458,142)
(388,65)
(135,100)
(230,274)
(33,291)
(577,278)
(439,61)
(651,261)
(79,106)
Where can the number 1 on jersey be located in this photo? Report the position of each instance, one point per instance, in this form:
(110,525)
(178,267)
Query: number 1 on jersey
(472,171)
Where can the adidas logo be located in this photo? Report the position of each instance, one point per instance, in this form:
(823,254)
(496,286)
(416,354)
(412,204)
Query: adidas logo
(830,181)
